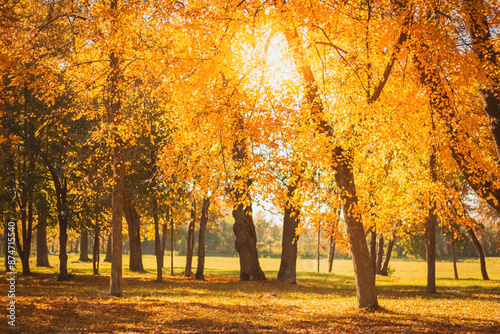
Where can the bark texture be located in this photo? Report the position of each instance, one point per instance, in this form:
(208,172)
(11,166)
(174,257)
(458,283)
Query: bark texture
(244,228)
(84,246)
(288,267)
(134,235)
(42,251)
(380,254)
(385,267)
(188,272)
(95,249)
(201,239)
(480,253)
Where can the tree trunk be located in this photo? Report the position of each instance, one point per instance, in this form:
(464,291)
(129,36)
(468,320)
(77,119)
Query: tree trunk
(363,270)
(380,254)
(75,248)
(26,207)
(480,253)
(430,229)
(134,236)
(163,244)
(190,242)
(201,239)
(95,253)
(63,243)
(373,248)
(385,267)
(42,251)
(115,288)
(331,254)
(484,47)
(454,257)
(158,246)
(288,267)
(344,177)
(6,243)
(171,242)
(84,246)
(244,228)
(109,248)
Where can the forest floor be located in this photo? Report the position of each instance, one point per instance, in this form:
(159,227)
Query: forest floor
(319,303)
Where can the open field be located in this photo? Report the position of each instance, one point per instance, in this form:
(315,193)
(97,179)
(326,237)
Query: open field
(319,303)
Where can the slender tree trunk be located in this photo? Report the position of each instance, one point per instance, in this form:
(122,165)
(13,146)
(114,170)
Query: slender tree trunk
(380,254)
(134,236)
(163,244)
(430,230)
(84,246)
(158,246)
(95,250)
(109,248)
(24,249)
(76,247)
(480,253)
(201,239)
(6,238)
(288,267)
(190,242)
(385,267)
(63,243)
(373,248)
(454,258)
(171,243)
(42,251)
(331,254)
(115,288)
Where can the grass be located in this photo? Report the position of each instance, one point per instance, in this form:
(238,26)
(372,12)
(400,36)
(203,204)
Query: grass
(319,303)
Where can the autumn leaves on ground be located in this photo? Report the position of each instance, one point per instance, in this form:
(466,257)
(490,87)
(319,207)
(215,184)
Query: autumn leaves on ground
(319,303)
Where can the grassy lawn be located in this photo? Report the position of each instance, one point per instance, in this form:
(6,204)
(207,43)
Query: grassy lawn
(319,303)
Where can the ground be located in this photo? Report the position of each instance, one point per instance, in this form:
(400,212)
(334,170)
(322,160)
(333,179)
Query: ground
(319,303)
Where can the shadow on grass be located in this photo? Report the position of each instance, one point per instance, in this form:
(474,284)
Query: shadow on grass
(223,304)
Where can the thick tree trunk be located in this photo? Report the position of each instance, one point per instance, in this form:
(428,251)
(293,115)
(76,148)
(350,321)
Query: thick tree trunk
(288,267)
(385,267)
(380,254)
(109,249)
(373,248)
(84,246)
(134,236)
(42,251)
(201,239)
(95,250)
(244,228)
(454,258)
(480,253)
(331,254)
(190,242)
(363,270)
